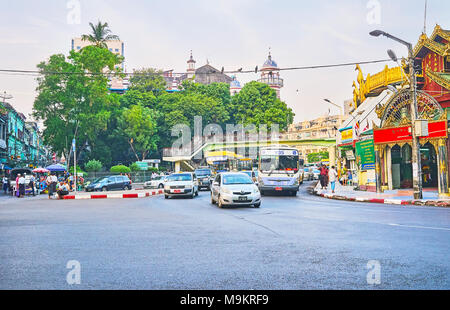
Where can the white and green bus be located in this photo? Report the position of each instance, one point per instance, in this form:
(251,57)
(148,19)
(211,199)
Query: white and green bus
(280,169)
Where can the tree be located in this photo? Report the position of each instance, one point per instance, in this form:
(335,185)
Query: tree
(120,169)
(138,125)
(73,98)
(93,165)
(99,35)
(258,104)
(316,157)
(135,167)
(148,80)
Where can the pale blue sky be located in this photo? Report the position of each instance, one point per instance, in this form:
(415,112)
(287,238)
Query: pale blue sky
(229,33)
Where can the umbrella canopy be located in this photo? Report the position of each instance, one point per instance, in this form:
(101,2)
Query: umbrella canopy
(56,168)
(41,170)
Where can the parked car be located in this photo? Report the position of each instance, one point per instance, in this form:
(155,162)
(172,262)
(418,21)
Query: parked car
(316,174)
(204,177)
(108,183)
(235,188)
(181,184)
(308,174)
(156,182)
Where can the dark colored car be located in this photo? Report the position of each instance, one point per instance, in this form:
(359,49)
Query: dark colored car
(204,178)
(108,183)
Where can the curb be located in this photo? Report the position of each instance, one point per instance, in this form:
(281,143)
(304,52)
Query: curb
(107,196)
(434,203)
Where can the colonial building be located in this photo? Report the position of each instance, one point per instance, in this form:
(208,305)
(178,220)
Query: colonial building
(324,127)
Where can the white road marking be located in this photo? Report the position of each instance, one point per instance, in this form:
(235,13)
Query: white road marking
(423,227)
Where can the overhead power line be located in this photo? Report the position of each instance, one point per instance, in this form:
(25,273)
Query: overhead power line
(38,73)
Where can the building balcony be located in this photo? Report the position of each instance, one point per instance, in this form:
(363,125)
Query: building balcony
(272,81)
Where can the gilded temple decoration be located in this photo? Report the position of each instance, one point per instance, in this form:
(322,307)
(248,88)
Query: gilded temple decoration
(397,111)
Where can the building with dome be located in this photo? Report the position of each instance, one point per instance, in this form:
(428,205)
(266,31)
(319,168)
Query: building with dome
(270,75)
(235,86)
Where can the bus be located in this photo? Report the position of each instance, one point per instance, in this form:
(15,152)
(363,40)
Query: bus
(280,169)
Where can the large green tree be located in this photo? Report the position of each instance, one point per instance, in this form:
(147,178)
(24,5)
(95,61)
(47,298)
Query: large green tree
(138,124)
(258,104)
(73,98)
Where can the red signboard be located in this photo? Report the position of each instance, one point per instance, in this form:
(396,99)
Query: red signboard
(392,135)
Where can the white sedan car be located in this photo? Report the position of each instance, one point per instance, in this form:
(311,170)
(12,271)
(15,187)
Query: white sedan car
(156,182)
(235,188)
(181,184)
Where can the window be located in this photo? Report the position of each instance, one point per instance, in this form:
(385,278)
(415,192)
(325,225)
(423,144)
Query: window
(117,50)
(78,47)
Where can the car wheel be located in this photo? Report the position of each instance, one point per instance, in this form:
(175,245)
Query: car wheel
(219,202)
(160,186)
(263,193)
(257,204)
(212,200)
(104,189)
(294,193)
(196,193)
(166,196)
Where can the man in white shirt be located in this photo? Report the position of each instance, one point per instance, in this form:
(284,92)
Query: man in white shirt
(332,176)
(51,184)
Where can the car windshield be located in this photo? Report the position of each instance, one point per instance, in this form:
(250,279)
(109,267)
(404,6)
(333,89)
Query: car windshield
(236,179)
(275,162)
(100,180)
(203,172)
(180,177)
(157,178)
(249,173)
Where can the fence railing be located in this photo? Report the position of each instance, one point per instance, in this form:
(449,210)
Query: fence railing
(136,177)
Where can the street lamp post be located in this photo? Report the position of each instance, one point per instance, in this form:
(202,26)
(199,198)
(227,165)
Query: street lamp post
(331,102)
(416,162)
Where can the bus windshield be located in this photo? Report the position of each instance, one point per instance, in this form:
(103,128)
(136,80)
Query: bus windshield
(279,163)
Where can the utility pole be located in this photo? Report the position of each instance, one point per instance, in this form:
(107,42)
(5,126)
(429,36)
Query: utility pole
(416,160)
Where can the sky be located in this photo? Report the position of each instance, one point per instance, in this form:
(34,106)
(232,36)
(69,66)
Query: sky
(229,33)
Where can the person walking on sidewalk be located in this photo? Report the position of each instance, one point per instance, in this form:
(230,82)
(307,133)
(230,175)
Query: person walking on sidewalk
(323,176)
(5,182)
(32,183)
(332,176)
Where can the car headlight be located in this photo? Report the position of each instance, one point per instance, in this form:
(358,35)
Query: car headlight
(97,185)
(255,190)
(188,187)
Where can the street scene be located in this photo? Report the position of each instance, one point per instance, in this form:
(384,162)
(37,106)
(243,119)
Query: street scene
(202,147)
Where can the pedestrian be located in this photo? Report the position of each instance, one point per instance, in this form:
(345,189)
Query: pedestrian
(5,184)
(332,175)
(323,177)
(349,177)
(32,183)
(16,189)
(22,186)
(70,181)
(63,190)
(51,184)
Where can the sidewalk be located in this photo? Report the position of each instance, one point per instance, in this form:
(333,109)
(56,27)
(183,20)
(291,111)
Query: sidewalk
(115,194)
(398,197)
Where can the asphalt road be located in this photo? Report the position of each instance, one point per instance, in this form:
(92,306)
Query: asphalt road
(302,242)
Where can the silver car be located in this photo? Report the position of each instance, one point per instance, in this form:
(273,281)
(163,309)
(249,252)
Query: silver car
(235,188)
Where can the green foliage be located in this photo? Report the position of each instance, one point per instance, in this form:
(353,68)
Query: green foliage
(79,170)
(258,104)
(120,169)
(138,125)
(81,103)
(316,157)
(99,35)
(93,165)
(153,169)
(148,80)
(135,167)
